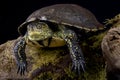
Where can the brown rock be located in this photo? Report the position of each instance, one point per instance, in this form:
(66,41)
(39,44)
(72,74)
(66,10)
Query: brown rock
(39,61)
(52,63)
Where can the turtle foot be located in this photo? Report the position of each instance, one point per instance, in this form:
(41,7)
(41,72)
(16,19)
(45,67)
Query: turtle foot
(78,66)
(22,67)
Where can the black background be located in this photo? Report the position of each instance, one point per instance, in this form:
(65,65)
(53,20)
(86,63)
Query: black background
(12,14)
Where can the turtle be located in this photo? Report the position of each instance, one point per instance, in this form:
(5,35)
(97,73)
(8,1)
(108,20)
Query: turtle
(56,26)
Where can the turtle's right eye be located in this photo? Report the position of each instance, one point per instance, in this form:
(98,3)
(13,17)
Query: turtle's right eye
(39,26)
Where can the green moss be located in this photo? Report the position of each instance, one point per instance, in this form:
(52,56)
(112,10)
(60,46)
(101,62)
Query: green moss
(44,76)
(43,56)
(97,40)
(69,73)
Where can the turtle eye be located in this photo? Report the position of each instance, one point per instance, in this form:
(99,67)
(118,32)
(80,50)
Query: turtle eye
(41,25)
(38,26)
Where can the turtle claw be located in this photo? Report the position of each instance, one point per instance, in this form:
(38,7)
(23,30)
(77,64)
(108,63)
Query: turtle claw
(78,66)
(22,67)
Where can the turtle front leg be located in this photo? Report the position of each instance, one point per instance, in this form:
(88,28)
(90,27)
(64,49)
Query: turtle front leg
(19,52)
(75,51)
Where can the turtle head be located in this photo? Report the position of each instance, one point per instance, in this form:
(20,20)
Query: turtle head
(38,31)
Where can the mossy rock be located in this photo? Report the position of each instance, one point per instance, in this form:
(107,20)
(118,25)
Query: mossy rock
(54,63)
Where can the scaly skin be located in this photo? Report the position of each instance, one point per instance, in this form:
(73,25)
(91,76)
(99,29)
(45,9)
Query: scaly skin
(19,51)
(71,41)
(77,57)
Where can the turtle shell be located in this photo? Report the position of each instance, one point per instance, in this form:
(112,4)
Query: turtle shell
(67,14)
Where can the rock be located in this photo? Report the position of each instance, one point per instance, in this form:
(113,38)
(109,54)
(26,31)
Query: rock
(110,48)
(8,68)
(53,63)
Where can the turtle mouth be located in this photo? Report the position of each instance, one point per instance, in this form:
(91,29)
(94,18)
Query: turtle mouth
(45,42)
(41,43)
